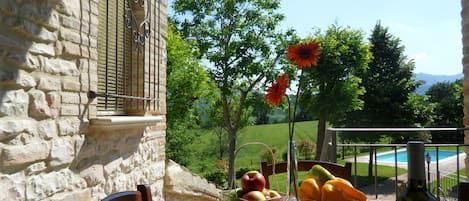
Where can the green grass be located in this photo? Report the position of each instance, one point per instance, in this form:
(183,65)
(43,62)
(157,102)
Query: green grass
(273,135)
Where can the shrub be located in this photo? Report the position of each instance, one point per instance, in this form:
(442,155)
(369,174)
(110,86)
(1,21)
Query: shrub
(267,156)
(218,177)
(306,150)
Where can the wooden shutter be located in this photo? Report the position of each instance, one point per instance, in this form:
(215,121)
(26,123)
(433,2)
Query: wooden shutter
(113,57)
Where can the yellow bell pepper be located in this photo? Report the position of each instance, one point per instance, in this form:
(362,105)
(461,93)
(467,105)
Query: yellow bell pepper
(310,189)
(340,190)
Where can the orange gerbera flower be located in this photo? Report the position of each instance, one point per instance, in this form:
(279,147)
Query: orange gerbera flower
(304,54)
(277,90)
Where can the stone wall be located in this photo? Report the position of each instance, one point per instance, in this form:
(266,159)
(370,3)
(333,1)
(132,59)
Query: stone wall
(49,147)
(465,63)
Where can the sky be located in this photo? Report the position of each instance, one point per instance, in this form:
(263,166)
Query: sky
(430,30)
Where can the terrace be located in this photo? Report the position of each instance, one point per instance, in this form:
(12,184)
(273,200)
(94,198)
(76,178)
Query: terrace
(443,176)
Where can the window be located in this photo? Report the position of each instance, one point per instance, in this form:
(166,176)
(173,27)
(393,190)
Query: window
(128,57)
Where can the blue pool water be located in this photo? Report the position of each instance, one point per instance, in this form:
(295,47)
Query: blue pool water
(402,156)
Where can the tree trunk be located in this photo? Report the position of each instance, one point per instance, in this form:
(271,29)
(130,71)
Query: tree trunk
(320,137)
(231,168)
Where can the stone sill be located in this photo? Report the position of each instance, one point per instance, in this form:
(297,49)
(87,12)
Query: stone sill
(123,122)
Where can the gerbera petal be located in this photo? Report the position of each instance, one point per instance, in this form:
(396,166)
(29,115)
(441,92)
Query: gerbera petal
(304,54)
(278,89)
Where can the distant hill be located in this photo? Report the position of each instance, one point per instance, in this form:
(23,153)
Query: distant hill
(433,79)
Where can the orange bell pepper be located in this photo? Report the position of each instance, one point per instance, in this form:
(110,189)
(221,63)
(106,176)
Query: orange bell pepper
(341,190)
(310,189)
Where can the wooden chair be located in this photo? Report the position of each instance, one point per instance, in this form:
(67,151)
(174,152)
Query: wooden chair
(343,171)
(143,193)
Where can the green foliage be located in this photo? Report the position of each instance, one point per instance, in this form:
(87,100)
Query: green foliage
(218,177)
(188,82)
(239,41)
(306,150)
(448,107)
(331,89)
(332,85)
(389,84)
(448,100)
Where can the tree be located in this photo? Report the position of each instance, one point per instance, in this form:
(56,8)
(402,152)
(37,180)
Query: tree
(448,103)
(188,82)
(237,38)
(389,84)
(332,87)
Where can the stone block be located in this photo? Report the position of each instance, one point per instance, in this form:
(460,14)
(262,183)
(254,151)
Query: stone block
(39,187)
(54,100)
(42,49)
(21,154)
(69,7)
(93,175)
(71,110)
(12,186)
(39,108)
(113,167)
(11,127)
(71,84)
(42,15)
(36,31)
(14,103)
(16,78)
(76,195)
(68,126)
(181,184)
(48,83)
(74,36)
(47,129)
(74,98)
(73,23)
(75,50)
(62,152)
(60,66)
(23,60)
(35,168)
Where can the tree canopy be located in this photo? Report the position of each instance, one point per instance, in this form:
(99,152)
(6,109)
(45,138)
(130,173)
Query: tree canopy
(188,82)
(331,88)
(389,84)
(240,42)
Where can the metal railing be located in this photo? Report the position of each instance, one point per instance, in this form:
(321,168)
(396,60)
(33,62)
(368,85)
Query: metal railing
(442,175)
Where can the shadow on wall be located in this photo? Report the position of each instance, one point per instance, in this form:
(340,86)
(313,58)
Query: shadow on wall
(28,35)
(42,44)
(103,147)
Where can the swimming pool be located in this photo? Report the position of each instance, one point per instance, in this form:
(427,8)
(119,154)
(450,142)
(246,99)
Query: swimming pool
(402,155)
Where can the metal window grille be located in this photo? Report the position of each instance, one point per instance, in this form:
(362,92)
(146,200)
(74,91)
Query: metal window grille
(128,56)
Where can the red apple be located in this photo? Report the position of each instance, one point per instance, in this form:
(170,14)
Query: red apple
(254,196)
(252,181)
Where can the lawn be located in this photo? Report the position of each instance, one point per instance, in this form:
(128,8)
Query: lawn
(274,136)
